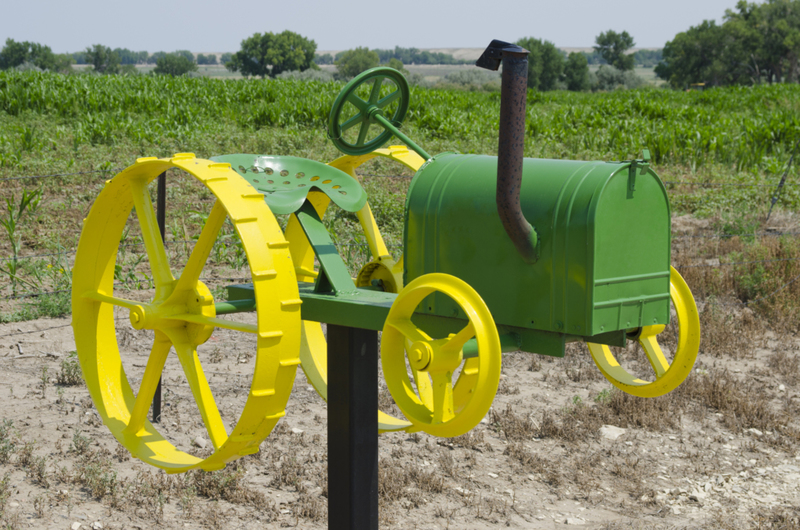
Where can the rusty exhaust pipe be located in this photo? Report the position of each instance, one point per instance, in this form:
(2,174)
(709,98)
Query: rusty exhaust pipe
(513,95)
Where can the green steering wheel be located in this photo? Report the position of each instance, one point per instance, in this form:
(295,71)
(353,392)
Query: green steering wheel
(368,111)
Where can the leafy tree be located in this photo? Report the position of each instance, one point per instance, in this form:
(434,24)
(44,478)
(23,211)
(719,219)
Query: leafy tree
(270,54)
(174,65)
(415,56)
(545,64)
(103,59)
(127,56)
(15,53)
(576,72)
(63,63)
(398,65)
(211,58)
(756,43)
(153,59)
(613,47)
(611,78)
(353,62)
(184,53)
(323,59)
(648,58)
(128,69)
(594,57)
(79,57)
(225,58)
(697,55)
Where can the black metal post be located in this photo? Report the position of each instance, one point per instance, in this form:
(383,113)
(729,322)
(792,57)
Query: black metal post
(161,218)
(352,428)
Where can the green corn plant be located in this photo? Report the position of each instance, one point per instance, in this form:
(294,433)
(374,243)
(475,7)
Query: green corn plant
(28,204)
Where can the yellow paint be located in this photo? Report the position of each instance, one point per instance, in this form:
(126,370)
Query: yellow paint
(313,350)
(440,407)
(182,315)
(668,376)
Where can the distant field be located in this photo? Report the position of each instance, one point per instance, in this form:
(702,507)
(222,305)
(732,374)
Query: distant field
(430,72)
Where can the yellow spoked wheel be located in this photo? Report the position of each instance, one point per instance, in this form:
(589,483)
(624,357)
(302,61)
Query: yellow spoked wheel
(313,350)
(438,406)
(182,314)
(668,375)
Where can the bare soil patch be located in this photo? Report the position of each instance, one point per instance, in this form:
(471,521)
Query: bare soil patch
(720,452)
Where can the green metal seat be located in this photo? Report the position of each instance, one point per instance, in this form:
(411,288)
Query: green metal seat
(285,181)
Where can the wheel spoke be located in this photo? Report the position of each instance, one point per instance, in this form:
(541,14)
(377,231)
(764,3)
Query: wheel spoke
(152,374)
(156,253)
(424,387)
(654,354)
(362,134)
(457,341)
(388,99)
(442,397)
(408,330)
(121,302)
(202,393)
(197,260)
(357,102)
(216,322)
(352,122)
(376,91)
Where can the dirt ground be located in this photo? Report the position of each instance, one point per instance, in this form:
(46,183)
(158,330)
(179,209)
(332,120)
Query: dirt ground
(542,458)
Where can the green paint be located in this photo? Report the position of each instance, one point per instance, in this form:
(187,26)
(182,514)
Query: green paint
(333,276)
(604,249)
(285,181)
(235,306)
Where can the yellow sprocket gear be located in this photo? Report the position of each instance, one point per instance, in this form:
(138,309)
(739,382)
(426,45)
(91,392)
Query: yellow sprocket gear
(182,314)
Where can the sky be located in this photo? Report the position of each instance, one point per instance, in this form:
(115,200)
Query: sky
(204,26)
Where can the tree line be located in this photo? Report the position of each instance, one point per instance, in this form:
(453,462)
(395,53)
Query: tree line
(404,55)
(756,43)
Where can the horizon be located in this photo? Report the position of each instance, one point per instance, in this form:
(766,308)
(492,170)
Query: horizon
(74,26)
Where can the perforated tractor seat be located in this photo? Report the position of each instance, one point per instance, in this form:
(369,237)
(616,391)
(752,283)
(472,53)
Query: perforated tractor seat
(285,181)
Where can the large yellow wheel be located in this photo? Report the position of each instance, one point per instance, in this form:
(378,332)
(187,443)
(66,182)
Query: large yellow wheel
(437,405)
(313,351)
(668,375)
(181,313)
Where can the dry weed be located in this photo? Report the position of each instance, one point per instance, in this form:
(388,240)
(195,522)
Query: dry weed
(785,362)
(229,484)
(310,507)
(473,440)
(513,426)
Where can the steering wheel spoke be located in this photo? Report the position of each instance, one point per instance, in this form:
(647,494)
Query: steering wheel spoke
(391,98)
(362,133)
(375,92)
(352,122)
(337,122)
(357,102)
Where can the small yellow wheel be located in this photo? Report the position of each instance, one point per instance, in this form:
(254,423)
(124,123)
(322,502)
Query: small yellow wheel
(314,348)
(668,375)
(182,315)
(438,406)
